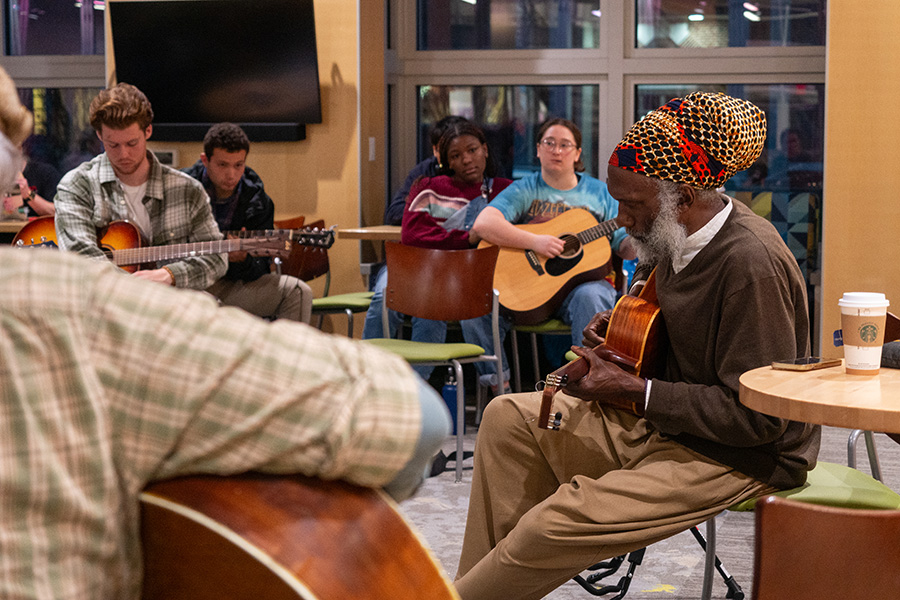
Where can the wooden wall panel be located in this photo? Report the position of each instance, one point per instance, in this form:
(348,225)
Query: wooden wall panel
(861,219)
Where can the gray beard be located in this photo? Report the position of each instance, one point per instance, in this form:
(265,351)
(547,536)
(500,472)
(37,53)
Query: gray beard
(667,237)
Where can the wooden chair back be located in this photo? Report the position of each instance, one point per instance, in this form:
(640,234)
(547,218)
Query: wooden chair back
(811,552)
(307,262)
(442,285)
(291,223)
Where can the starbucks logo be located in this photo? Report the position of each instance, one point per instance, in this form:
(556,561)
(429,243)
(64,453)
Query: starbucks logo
(868,332)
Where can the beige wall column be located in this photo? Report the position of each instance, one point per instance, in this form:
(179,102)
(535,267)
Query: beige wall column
(861,220)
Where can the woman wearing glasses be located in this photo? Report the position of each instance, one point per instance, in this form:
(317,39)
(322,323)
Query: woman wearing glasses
(559,186)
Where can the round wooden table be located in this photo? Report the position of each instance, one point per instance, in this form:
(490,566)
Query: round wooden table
(374,232)
(826,397)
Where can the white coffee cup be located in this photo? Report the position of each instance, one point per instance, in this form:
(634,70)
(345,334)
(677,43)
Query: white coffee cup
(863,315)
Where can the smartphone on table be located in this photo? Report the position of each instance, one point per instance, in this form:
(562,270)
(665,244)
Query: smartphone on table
(807,363)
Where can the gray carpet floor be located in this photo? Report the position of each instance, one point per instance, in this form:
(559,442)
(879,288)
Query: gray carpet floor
(672,569)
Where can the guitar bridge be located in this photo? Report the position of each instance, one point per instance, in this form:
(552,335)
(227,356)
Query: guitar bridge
(534,262)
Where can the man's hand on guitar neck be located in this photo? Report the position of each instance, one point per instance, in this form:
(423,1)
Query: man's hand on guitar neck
(595,332)
(237,255)
(607,384)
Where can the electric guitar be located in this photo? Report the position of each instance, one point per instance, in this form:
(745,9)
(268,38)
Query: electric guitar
(635,341)
(532,287)
(280,537)
(122,242)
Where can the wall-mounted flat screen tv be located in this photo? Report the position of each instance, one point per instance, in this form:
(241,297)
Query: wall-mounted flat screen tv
(250,62)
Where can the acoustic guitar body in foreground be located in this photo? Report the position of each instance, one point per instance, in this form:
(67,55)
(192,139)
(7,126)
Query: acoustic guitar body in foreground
(531,287)
(278,538)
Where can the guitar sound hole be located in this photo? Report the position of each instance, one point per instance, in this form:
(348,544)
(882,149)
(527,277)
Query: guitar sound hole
(572,246)
(571,255)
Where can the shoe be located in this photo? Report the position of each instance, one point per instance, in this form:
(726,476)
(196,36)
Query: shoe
(439,465)
(488,380)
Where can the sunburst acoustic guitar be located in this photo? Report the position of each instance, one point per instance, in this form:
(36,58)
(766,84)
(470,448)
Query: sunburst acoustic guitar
(532,287)
(635,341)
(280,538)
(122,242)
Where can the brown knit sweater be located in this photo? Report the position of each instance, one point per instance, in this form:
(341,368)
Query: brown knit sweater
(740,304)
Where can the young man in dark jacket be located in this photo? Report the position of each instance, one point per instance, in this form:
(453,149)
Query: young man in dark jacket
(239,201)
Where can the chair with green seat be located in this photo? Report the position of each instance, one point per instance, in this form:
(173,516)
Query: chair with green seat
(310,262)
(828,484)
(442,285)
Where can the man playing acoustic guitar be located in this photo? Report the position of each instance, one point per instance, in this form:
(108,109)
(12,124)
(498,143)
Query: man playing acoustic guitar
(127,182)
(638,460)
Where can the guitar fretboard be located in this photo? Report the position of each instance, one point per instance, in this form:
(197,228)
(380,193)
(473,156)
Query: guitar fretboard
(597,231)
(273,239)
(139,256)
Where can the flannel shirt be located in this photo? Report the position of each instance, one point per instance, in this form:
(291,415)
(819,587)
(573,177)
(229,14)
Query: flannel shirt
(90,197)
(108,383)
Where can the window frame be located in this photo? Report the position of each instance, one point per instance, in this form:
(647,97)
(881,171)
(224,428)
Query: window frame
(616,66)
(53,71)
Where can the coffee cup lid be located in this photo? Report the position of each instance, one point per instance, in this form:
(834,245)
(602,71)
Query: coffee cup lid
(863,300)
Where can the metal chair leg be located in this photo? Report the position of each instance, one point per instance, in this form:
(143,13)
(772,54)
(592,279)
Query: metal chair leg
(589,583)
(460,419)
(712,561)
(706,592)
(516,367)
(349,314)
(871,450)
(534,357)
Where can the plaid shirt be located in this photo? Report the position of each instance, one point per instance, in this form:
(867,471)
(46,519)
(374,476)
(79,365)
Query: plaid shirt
(90,197)
(109,382)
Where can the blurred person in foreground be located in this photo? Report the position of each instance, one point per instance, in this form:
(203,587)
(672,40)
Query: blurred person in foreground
(109,382)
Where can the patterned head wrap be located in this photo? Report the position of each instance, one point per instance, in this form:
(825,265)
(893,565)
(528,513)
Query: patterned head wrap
(701,140)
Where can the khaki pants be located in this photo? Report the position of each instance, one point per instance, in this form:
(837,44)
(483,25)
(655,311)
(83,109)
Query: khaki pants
(278,296)
(545,505)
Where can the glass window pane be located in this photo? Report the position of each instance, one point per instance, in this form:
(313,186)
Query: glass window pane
(510,116)
(507,24)
(729,23)
(54,27)
(62,138)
